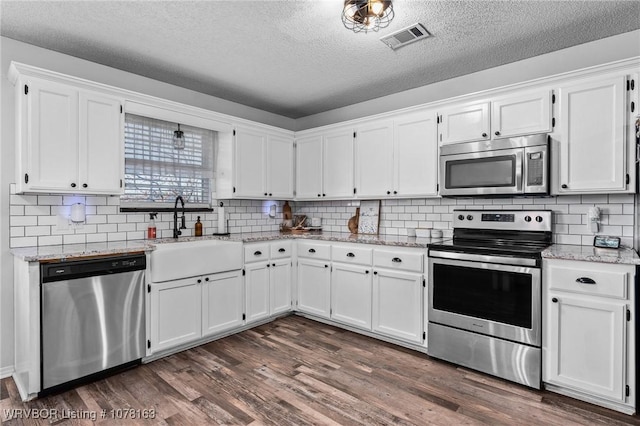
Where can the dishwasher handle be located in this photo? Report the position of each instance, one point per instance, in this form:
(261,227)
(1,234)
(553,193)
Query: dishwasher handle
(68,270)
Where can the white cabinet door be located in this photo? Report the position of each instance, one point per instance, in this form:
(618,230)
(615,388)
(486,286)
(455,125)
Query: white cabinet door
(585,345)
(280,167)
(465,123)
(314,287)
(175,313)
(351,294)
(280,286)
(374,160)
(101,156)
(415,155)
(51,153)
(257,290)
(250,164)
(337,168)
(397,304)
(309,168)
(222,302)
(591,155)
(521,114)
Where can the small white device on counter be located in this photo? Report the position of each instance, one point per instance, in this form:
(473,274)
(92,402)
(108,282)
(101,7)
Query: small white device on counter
(594,219)
(77,214)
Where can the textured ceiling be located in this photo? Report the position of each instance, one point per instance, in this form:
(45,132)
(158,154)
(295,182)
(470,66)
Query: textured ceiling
(295,58)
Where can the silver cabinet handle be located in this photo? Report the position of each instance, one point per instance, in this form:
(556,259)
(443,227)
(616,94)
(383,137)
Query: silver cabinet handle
(585,280)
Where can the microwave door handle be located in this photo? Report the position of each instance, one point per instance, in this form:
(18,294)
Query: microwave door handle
(520,169)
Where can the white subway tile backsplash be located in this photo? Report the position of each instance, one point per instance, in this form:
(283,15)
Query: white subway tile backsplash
(96,238)
(51,200)
(50,240)
(73,239)
(24,242)
(104,222)
(23,221)
(35,231)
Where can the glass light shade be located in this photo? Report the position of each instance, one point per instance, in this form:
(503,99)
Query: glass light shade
(178,139)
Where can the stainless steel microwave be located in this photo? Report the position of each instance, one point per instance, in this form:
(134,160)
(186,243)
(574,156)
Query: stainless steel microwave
(514,166)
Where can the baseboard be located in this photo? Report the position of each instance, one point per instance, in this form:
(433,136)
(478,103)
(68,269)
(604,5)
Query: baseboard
(6,371)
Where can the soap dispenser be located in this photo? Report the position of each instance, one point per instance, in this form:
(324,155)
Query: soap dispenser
(151,227)
(198,228)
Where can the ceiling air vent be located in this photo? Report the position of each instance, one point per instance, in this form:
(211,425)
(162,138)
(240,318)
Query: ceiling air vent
(405,36)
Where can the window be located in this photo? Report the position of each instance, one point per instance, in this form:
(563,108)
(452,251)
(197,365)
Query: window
(156,172)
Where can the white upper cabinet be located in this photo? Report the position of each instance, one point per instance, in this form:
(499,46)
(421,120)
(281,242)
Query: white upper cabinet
(337,168)
(324,165)
(280,167)
(69,140)
(263,164)
(415,155)
(521,114)
(397,158)
(517,114)
(250,163)
(465,123)
(309,167)
(374,159)
(589,148)
(101,130)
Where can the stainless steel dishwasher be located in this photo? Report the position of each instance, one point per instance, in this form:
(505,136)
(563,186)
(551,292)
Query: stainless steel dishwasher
(93,320)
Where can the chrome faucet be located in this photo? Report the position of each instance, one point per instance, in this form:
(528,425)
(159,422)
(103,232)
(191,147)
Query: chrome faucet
(176,231)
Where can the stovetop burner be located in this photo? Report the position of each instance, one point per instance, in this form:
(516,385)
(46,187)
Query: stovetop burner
(514,233)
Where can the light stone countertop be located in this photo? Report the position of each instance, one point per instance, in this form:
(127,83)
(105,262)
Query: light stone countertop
(76,251)
(623,256)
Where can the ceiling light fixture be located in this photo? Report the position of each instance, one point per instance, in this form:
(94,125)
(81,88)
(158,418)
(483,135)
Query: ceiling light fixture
(178,138)
(366,15)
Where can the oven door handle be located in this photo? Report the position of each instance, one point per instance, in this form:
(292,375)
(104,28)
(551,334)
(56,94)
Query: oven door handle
(517,261)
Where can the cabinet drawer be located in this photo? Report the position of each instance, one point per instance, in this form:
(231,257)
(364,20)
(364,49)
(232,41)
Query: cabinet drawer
(256,252)
(585,278)
(314,250)
(280,249)
(398,259)
(350,254)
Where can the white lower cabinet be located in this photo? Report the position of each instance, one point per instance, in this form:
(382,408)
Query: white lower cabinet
(589,339)
(280,286)
(257,291)
(397,304)
(267,279)
(175,313)
(351,294)
(185,310)
(222,302)
(314,286)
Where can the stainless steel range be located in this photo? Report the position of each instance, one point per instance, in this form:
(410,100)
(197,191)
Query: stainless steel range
(485,293)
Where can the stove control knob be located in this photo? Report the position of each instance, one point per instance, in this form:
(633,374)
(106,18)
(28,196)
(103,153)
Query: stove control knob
(469,217)
(460,217)
(538,218)
(527,218)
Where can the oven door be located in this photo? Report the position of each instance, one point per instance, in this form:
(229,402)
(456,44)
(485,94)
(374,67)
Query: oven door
(492,299)
(482,173)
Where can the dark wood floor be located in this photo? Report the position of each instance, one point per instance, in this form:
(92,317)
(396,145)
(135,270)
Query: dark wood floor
(295,371)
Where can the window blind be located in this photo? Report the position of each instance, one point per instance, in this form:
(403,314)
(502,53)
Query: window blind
(156,172)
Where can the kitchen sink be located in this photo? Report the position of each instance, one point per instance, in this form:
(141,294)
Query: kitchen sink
(171,261)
